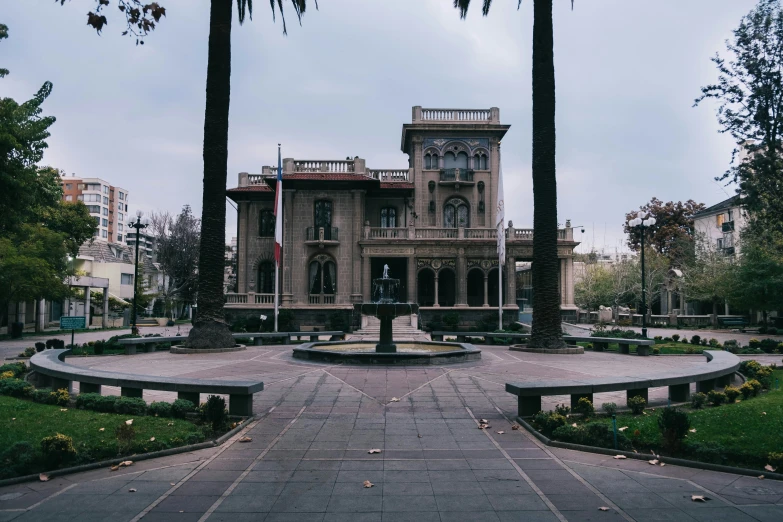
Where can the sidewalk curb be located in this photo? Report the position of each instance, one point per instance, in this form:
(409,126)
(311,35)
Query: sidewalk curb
(641,456)
(143,456)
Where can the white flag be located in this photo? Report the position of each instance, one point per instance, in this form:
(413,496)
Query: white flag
(500,219)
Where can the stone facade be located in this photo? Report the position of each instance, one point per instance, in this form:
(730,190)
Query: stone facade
(432,223)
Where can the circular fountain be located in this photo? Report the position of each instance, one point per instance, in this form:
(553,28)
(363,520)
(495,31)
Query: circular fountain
(386,307)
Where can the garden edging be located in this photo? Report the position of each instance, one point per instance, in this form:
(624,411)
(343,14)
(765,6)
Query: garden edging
(142,456)
(642,456)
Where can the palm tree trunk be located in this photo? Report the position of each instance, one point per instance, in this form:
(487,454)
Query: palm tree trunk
(546,331)
(210,329)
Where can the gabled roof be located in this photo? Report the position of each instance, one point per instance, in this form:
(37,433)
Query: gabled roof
(717,208)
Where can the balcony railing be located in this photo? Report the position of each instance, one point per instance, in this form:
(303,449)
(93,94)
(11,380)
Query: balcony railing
(481,233)
(324,166)
(456,175)
(390,175)
(321,299)
(388,233)
(453,115)
(727,226)
(436,233)
(251,298)
(321,234)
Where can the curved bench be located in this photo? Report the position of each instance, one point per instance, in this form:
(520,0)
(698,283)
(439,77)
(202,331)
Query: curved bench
(147,344)
(599,343)
(51,363)
(720,367)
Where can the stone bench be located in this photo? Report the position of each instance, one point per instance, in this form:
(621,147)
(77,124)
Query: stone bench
(147,344)
(488,336)
(720,367)
(51,363)
(599,343)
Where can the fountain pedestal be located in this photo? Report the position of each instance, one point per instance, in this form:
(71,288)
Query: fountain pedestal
(386,314)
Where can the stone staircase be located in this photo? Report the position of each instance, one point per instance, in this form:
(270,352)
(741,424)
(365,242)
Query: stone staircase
(401,327)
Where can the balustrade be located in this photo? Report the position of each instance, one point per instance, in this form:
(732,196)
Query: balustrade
(390,175)
(477,115)
(321,299)
(321,234)
(236,298)
(456,175)
(481,233)
(388,233)
(436,233)
(324,166)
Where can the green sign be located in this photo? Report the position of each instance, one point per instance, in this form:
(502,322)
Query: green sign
(73,323)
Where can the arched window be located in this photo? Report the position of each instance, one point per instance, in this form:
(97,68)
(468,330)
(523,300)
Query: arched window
(266,278)
(455,161)
(266,223)
(388,217)
(431,161)
(456,214)
(480,161)
(322,276)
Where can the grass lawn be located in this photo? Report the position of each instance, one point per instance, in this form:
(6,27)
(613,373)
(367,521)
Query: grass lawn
(24,420)
(740,434)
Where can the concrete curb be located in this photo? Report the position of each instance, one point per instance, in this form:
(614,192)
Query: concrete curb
(642,456)
(143,456)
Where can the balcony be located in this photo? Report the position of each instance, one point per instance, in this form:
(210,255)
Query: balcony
(243,300)
(317,299)
(322,236)
(727,226)
(456,177)
(387,233)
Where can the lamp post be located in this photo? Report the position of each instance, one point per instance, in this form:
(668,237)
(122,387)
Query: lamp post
(139,226)
(643,222)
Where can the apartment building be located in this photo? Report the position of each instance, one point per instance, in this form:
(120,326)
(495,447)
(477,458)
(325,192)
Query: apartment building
(107,203)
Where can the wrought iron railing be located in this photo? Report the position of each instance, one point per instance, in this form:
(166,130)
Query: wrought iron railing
(322,234)
(456,174)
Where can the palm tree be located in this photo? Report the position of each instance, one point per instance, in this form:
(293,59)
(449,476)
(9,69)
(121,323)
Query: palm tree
(210,329)
(547,331)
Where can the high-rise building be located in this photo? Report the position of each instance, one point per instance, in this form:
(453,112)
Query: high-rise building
(107,204)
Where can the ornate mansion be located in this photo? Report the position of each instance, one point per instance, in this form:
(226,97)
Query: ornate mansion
(432,224)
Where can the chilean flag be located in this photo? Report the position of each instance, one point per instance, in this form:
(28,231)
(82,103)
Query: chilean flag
(279,208)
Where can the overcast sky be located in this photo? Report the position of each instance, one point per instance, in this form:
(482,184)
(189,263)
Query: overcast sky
(344,82)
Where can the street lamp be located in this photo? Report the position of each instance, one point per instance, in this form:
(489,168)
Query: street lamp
(643,222)
(138,225)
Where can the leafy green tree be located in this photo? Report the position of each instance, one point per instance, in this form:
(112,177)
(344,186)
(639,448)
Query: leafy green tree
(210,329)
(177,243)
(595,287)
(546,330)
(749,93)
(757,279)
(709,277)
(673,233)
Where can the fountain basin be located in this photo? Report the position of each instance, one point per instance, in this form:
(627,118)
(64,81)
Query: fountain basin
(407,352)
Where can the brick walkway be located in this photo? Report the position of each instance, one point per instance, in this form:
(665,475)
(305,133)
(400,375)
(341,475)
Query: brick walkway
(309,457)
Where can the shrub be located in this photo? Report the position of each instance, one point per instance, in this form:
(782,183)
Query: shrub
(696,339)
(667,339)
(18,369)
(59,397)
(656,351)
(775,460)
(746,390)
(732,392)
(28,352)
(516,327)
(636,404)
(96,402)
(756,385)
(749,368)
(716,398)
(754,343)
(676,337)
(130,406)
(17,459)
(15,388)
(592,434)
(125,434)
(610,408)
(214,412)
(698,400)
(769,345)
(674,425)
(451,319)
(685,340)
(57,449)
(731,346)
(39,347)
(772,330)
(7,375)
(563,410)
(704,342)
(764,376)
(159,409)
(713,342)
(547,423)
(658,338)
(585,407)
(691,350)
(181,407)
(98,347)
(42,396)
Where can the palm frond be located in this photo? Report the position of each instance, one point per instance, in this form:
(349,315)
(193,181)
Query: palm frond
(242,6)
(463,5)
(299,8)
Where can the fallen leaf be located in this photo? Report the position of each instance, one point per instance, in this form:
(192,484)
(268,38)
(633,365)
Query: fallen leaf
(483,426)
(43,477)
(132,490)
(623,428)
(152,439)
(763,412)
(699,498)
(692,430)
(761,477)
(644,413)
(63,409)
(246,439)
(620,457)
(13,418)
(374,451)
(125,463)
(653,462)
(515,426)
(101,429)
(171,424)
(483,421)
(394,399)
(769,468)
(603,508)
(129,422)
(368,484)
(172,484)
(501,432)
(419,435)
(573,425)
(114,468)
(663,464)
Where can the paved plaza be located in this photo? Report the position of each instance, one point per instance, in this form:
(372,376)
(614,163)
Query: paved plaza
(308,459)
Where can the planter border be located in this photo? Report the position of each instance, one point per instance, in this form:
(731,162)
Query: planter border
(642,456)
(142,456)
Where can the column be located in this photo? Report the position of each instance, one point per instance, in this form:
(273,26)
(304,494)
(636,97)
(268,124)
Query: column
(288,245)
(437,304)
(243,242)
(511,281)
(356,272)
(569,262)
(486,291)
(413,291)
(87,297)
(40,319)
(105,319)
(461,278)
(366,288)
(563,295)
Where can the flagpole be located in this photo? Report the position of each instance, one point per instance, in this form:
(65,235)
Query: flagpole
(278,231)
(277,269)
